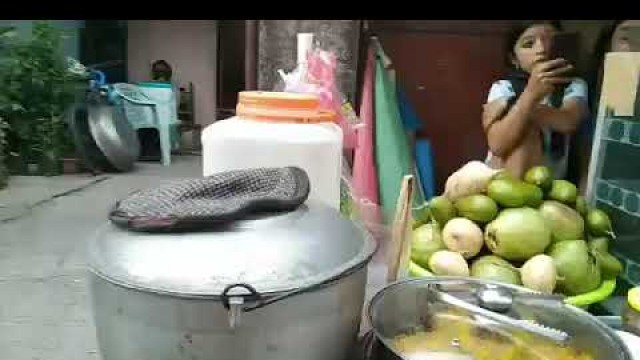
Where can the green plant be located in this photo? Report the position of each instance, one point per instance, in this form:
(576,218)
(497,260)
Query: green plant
(5,33)
(4,173)
(37,89)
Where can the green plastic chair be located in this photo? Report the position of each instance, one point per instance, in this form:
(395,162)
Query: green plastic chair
(142,111)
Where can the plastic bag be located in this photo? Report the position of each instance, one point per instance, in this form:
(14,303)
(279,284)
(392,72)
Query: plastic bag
(318,76)
(365,212)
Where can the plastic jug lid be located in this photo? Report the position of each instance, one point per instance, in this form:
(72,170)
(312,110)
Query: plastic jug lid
(282,106)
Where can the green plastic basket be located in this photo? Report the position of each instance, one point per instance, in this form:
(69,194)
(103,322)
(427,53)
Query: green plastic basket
(583,301)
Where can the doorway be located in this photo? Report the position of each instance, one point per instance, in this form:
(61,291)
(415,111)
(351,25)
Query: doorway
(104,43)
(231,65)
(446,69)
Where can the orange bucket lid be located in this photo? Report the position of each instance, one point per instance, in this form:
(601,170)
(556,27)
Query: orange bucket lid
(282,106)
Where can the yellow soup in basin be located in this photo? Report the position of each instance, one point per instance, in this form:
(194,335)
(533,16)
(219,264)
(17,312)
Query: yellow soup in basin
(451,336)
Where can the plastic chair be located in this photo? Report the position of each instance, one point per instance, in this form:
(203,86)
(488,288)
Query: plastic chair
(144,112)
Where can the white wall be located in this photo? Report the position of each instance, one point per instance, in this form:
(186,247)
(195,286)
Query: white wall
(189,46)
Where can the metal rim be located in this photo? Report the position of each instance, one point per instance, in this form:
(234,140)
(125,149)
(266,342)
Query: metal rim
(320,280)
(86,147)
(118,156)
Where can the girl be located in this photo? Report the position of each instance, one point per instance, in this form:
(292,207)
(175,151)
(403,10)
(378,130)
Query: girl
(530,114)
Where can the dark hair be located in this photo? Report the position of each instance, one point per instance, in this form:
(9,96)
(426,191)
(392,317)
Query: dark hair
(600,50)
(161,69)
(517,29)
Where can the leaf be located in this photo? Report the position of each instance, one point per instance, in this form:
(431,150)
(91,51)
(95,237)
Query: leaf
(35,77)
(6,30)
(17,107)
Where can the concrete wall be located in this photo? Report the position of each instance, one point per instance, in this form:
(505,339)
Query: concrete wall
(277,48)
(189,46)
(71,27)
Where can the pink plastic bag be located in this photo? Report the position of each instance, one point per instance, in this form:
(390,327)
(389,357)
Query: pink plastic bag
(321,71)
(318,76)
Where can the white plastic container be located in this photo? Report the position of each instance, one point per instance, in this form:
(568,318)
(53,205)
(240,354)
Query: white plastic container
(275,129)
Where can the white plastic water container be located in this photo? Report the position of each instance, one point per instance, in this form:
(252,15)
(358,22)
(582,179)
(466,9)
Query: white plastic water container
(277,129)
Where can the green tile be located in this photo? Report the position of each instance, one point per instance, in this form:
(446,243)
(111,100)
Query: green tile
(616,130)
(634,134)
(633,272)
(602,190)
(616,196)
(631,202)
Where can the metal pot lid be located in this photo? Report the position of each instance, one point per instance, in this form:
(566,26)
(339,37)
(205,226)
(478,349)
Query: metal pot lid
(114,135)
(86,147)
(274,253)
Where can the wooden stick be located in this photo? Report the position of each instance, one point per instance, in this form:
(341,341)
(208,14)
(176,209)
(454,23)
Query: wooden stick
(399,249)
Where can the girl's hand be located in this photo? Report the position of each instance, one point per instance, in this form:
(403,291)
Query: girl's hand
(545,75)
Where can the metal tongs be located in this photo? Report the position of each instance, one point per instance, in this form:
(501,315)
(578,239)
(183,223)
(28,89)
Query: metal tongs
(493,300)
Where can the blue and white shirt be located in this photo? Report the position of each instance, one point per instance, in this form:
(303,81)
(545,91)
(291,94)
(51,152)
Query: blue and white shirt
(577,89)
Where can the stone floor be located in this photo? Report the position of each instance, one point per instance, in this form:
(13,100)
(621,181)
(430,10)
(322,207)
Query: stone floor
(44,225)
(45,311)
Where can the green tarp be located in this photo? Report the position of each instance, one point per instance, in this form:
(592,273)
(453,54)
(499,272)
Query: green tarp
(393,156)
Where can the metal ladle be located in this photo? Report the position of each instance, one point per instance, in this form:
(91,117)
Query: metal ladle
(493,298)
(500,299)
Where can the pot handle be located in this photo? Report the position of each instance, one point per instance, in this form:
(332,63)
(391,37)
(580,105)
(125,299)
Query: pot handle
(234,303)
(264,302)
(261,301)
(253,294)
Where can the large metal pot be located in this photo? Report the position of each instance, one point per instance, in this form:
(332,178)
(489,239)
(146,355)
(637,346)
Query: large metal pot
(401,308)
(103,137)
(114,135)
(280,287)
